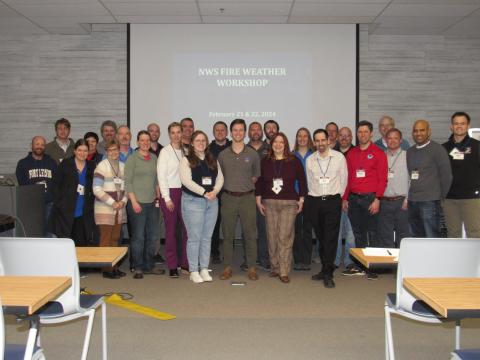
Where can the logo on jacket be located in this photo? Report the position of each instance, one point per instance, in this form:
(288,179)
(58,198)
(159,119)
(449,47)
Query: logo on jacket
(370,156)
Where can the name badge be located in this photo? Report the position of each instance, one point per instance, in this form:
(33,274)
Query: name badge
(206,180)
(277,185)
(324,181)
(360,173)
(458,156)
(117,181)
(80,189)
(415,175)
(391,174)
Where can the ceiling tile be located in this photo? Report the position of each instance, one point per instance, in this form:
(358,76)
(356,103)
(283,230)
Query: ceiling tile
(18,26)
(67,30)
(76,9)
(245,19)
(418,21)
(245,9)
(152,8)
(468,26)
(330,19)
(318,9)
(437,2)
(428,10)
(412,30)
(134,19)
(362,2)
(46,2)
(5,11)
(66,21)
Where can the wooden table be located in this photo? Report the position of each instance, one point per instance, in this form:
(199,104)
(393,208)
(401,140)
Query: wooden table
(27,294)
(98,257)
(373,262)
(455,298)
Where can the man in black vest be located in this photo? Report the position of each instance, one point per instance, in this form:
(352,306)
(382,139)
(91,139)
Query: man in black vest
(462,204)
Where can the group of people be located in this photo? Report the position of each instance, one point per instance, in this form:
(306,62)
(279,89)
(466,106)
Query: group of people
(369,195)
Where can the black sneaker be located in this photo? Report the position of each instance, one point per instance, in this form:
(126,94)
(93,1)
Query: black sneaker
(159,259)
(372,276)
(266,267)
(173,273)
(110,275)
(353,271)
(119,272)
(138,274)
(244,267)
(298,267)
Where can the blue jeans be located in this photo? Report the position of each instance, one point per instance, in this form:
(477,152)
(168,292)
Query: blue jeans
(144,236)
(346,233)
(424,218)
(199,216)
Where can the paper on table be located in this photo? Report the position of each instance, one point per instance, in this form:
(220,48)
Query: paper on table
(381,252)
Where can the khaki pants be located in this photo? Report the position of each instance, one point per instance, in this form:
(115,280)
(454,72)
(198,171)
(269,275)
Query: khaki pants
(110,236)
(466,212)
(280,220)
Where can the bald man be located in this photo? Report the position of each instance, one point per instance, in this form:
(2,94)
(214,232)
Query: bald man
(430,179)
(38,168)
(154,131)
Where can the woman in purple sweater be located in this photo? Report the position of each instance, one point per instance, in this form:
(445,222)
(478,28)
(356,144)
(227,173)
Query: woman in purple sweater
(280,203)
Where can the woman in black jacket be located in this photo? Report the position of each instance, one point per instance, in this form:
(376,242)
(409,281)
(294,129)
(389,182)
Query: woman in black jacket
(72,212)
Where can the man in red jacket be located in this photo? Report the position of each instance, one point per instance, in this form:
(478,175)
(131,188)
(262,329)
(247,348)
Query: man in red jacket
(367,180)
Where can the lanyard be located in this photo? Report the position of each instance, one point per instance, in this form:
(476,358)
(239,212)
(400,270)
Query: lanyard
(394,161)
(175,152)
(277,171)
(320,166)
(113,168)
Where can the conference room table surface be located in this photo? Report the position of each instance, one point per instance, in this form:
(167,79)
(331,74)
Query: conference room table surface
(24,295)
(373,262)
(97,257)
(452,298)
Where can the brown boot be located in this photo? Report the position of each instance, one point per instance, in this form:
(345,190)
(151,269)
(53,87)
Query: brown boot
(252,273)
(226,274)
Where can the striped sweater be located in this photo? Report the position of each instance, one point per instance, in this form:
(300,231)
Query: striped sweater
(106,194)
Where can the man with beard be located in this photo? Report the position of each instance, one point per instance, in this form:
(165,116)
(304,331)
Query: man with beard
(270,128)
(38,168)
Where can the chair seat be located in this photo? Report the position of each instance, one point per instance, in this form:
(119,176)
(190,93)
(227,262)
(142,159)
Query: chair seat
(468,354)
(419,307)
(55,309)
(17,351)
(90,301)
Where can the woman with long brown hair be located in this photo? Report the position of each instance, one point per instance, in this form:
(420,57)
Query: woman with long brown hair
(280,203)
(202,180)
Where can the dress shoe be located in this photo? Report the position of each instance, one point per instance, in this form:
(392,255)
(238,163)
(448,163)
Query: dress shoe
(328,283)
(273,274)
(195,277)
(119,273)
(205,275)
(252,274)
(159,259)
(173,273)
(318,277)
(226,274)
(285,279)
(110,275)
(138,274)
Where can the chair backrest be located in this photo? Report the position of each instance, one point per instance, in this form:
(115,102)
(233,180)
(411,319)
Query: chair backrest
(43,257)
(435,257)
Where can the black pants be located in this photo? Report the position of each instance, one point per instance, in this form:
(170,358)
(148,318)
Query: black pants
(215,245)
(324,215)
(302,245)
(364,224)
(79,235)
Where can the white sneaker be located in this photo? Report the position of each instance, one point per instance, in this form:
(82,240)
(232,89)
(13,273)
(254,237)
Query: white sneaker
(195,277)
(205,275)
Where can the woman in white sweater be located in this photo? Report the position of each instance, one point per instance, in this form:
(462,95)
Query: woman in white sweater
(170,201)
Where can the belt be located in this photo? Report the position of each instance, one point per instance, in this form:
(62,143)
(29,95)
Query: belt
(325,197)
(363,194)
(238,193)
(392,198)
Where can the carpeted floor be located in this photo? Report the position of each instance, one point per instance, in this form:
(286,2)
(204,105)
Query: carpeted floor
(265,319)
